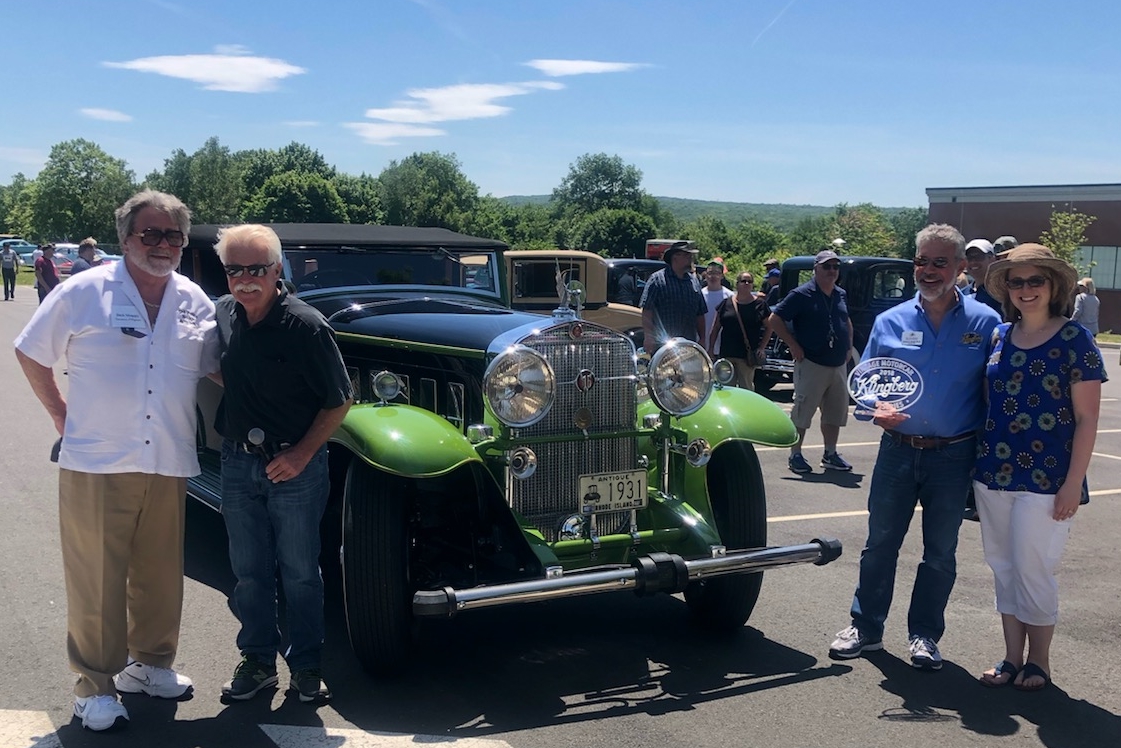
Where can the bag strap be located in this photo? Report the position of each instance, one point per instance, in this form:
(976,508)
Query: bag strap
(743,330)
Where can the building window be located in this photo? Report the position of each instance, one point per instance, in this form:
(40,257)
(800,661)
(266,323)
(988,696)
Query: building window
(1103,264)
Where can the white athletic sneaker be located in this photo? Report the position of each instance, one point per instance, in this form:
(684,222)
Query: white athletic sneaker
(161,682)
(99,712)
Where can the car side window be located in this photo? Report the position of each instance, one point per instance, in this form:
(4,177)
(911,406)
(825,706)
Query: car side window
(539,279)
(889,283)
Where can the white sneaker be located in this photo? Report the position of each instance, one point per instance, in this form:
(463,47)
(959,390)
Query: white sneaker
(99,712)
(161,682)
(925,654)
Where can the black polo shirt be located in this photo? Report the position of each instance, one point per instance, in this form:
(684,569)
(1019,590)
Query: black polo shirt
(279,373)
(818,320)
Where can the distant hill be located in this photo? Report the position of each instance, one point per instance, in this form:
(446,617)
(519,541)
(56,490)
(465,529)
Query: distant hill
(780,215)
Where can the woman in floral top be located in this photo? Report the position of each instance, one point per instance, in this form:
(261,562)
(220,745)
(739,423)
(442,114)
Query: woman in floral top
(1044,379)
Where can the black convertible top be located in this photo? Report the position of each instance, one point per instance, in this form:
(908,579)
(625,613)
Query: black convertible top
(294,235)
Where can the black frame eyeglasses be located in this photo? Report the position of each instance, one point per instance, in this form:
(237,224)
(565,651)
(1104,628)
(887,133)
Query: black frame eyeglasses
(939,262)
(153,237)
(1035,281)
(257,271)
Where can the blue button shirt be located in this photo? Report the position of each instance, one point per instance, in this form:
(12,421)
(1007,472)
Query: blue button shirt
(951,362)
(820,323)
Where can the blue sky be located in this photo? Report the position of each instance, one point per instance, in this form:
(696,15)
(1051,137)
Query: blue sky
(796,101)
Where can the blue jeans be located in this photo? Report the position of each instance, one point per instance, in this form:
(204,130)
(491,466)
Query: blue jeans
(271,526)
(937,479)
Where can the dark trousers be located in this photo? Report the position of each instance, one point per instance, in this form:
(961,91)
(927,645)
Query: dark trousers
(9,283)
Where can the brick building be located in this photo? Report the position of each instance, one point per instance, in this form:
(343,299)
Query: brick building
(1025,213)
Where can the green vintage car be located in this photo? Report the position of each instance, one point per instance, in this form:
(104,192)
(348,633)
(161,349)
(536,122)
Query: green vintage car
(499,457)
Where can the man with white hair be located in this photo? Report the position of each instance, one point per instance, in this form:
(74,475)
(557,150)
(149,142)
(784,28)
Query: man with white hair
(286,391)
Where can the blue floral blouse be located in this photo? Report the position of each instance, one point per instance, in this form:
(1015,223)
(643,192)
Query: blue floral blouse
(1026,441)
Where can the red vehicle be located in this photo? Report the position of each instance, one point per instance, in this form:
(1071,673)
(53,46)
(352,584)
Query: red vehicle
(655,247)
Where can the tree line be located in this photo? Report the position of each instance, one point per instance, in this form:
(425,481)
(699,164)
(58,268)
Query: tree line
(599,205)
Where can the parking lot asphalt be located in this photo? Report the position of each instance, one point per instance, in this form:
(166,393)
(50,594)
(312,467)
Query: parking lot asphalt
(607,671)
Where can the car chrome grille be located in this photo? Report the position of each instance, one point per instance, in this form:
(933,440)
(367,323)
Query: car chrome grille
(549,496)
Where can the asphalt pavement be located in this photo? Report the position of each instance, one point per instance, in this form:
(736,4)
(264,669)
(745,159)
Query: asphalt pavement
(609,671)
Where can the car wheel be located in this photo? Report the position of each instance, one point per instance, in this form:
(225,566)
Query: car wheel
(377,591)
(739,505)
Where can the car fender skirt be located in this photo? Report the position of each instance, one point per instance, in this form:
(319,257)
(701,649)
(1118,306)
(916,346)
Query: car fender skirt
(657,572)
(404,440)
(733,413)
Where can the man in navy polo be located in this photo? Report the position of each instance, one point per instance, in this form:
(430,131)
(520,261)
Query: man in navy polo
(819,342)
(672,304)
(926,453)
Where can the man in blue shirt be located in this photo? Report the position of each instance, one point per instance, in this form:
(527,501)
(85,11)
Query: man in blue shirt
(925,453)
(819,343)
(979,254)
(672,304)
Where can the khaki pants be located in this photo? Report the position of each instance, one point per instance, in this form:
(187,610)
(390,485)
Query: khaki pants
(745,373)
(122,554)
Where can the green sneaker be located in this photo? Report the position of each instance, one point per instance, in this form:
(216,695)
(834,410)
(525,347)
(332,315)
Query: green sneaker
(250,676)
(308,683)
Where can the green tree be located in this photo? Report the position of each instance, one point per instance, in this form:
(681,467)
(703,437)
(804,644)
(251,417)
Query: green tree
(865,229)
(259,164)
(712,236)
(427,189)
(296,197)
(1067,233)
(216,189)
(78,189)
(811,235)
(614,232)
(360,194)
(175,179)
(599,181)
(19,199)
(905,224)
(759,241)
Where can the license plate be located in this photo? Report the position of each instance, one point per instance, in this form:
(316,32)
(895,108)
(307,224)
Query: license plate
(612,492)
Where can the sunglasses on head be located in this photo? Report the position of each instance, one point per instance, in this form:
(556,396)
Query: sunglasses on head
(257,271)
(1015,284)
(153,237)
(938,262)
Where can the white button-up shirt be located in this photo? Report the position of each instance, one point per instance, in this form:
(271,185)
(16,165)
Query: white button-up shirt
(131,401)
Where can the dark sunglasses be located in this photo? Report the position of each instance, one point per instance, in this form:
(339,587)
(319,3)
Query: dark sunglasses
(1015,284)
(938,262)
(745,280)
(257,271)
(831,266)
(153,237)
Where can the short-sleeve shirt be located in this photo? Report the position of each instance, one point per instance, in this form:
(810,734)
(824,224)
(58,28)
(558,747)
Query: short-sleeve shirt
(980,293)
(676,302)
(131,401)
(754,313)
(1029,432)
(48,271)
(279,373)
(78,266)
(951,362)
(712,300)
(820,322)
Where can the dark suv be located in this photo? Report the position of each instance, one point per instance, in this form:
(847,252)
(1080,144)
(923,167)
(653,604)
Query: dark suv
(873,284)
(498,457)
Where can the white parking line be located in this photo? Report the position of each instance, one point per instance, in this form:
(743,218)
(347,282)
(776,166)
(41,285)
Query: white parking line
(288,736)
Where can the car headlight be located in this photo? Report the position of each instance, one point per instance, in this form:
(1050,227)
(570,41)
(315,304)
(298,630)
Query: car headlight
(680,377)
(519,386)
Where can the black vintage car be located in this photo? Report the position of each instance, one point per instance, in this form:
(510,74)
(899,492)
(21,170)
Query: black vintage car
(498,457)
(873,284)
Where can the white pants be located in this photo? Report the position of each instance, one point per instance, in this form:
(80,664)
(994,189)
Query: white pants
(1023,545)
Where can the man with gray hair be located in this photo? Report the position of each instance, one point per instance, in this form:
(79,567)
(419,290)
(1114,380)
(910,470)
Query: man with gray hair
(85,261)
(287,391)
(137,337)
(926,454)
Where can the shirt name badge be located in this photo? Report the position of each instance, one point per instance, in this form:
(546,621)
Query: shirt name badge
(127,316)
(912,337)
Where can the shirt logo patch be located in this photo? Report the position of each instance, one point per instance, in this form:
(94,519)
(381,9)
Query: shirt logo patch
(971,338)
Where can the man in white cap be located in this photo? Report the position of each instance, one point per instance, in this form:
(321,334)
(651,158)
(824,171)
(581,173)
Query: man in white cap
(979,254)
(672,304)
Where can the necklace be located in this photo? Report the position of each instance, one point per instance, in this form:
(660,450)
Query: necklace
(151,306)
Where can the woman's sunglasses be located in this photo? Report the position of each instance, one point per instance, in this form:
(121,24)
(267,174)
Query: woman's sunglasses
(1015,284)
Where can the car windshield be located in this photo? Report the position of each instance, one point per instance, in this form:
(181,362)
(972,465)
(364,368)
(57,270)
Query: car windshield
(309,269)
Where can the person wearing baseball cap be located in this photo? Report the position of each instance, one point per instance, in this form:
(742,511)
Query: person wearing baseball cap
(820,344)
(672,304)
(772,279)
(979,254)
(1005,243)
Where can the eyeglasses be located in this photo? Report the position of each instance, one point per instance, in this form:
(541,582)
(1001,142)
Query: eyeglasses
(938,262)
(257,271)
(831,267)
(1015,284)
(748,281)
(153,237)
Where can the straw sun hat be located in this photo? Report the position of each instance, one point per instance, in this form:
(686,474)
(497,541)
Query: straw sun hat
(1063,275)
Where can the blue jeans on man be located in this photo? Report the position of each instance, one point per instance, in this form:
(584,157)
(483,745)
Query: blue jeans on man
(275,526)
(938,480)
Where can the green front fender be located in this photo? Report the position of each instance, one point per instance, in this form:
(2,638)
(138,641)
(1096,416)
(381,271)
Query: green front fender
(733,413)
(404,440)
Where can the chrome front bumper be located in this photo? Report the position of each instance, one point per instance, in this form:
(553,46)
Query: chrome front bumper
(657,572)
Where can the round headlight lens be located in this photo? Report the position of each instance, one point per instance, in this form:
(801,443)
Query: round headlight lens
(724,371)
(680,377)
(519,386)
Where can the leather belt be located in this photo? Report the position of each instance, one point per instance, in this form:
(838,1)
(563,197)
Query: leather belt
(930,442)
(266,451)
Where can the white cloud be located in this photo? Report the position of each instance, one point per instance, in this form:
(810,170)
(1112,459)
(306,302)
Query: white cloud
(460,102)
(556,68)
(106,115)
(222,71)
(376,133)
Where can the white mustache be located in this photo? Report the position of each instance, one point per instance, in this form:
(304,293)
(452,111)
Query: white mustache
(246,287)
